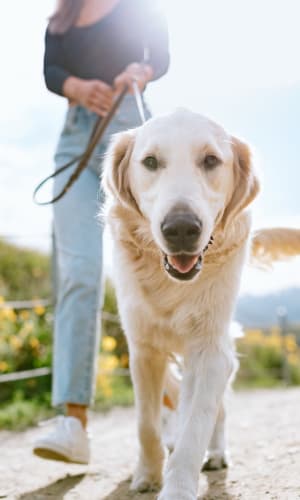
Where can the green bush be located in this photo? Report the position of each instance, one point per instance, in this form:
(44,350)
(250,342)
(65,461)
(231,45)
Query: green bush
(24,274)
(267,359)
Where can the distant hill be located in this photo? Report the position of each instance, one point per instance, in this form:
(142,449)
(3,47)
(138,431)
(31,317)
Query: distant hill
(261,310)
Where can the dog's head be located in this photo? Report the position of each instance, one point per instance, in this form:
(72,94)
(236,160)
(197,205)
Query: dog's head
(186,176)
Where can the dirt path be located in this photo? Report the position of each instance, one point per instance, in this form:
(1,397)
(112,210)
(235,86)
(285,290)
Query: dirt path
(264,437)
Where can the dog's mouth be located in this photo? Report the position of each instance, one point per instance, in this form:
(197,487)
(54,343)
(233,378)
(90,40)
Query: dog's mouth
(182,266)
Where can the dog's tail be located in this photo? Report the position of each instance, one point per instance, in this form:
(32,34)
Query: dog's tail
(274,244)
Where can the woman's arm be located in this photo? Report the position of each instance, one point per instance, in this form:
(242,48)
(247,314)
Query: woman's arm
(54,72)
(92,94)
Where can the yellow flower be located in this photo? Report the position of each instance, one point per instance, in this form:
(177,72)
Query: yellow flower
(2,300)
(290,343)
(24,315)
(109,343)
(274,340)
(253,337)
(104,384)
(39,310)
(254,332)
(3,366)
(34,343)
(108,363)
(15,342)
(8,314)
(124,360)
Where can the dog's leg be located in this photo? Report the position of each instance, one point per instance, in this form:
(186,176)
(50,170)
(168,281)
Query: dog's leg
(216,456)
(148,370)
(204,381)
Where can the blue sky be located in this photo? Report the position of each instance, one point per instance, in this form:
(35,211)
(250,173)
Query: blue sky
(236,61)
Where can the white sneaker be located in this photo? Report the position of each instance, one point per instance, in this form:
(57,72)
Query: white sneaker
(68,441)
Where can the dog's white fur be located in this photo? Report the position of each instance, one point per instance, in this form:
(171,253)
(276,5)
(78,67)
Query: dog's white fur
(161,315)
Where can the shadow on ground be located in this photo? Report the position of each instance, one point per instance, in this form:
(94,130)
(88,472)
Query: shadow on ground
(56,490)
(216,489)
(123,492)
(216,486)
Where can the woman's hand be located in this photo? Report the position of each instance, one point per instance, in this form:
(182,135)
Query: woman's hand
(141,73)
(94,95)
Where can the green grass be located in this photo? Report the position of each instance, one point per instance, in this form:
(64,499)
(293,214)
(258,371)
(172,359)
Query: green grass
(24,411)
(21,413)
(258,383)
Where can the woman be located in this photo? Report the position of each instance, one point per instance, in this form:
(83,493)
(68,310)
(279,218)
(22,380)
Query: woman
(93,48)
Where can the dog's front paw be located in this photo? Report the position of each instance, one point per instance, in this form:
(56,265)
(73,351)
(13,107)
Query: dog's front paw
(145,480)
(215,461)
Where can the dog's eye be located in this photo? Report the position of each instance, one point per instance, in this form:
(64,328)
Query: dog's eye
(151,163)
(211,161)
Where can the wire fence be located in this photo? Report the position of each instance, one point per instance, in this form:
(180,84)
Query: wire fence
(42,372)
(25,304)
(23,375)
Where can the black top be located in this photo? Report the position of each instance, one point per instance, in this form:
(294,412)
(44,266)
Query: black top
(103,50)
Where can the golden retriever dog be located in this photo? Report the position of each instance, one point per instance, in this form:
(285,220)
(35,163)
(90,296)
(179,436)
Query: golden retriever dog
(178,189)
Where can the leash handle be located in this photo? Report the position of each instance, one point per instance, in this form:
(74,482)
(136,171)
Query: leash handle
(95,137)
(83,159)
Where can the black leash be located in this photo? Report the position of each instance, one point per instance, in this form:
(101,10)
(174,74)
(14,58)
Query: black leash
(83,159)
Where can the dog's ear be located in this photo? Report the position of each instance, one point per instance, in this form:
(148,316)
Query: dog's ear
(115,175)
(246,184)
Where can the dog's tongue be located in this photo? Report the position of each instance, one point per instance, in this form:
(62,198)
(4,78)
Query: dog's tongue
(183,263)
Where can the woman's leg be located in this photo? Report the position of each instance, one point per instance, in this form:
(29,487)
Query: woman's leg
(78,240)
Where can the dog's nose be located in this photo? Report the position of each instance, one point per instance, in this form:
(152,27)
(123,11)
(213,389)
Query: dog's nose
(181,231)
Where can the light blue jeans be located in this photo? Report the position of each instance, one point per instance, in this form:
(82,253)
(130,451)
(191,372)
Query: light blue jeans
(78,256)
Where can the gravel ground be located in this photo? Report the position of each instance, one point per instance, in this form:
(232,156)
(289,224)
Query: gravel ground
(264,438)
